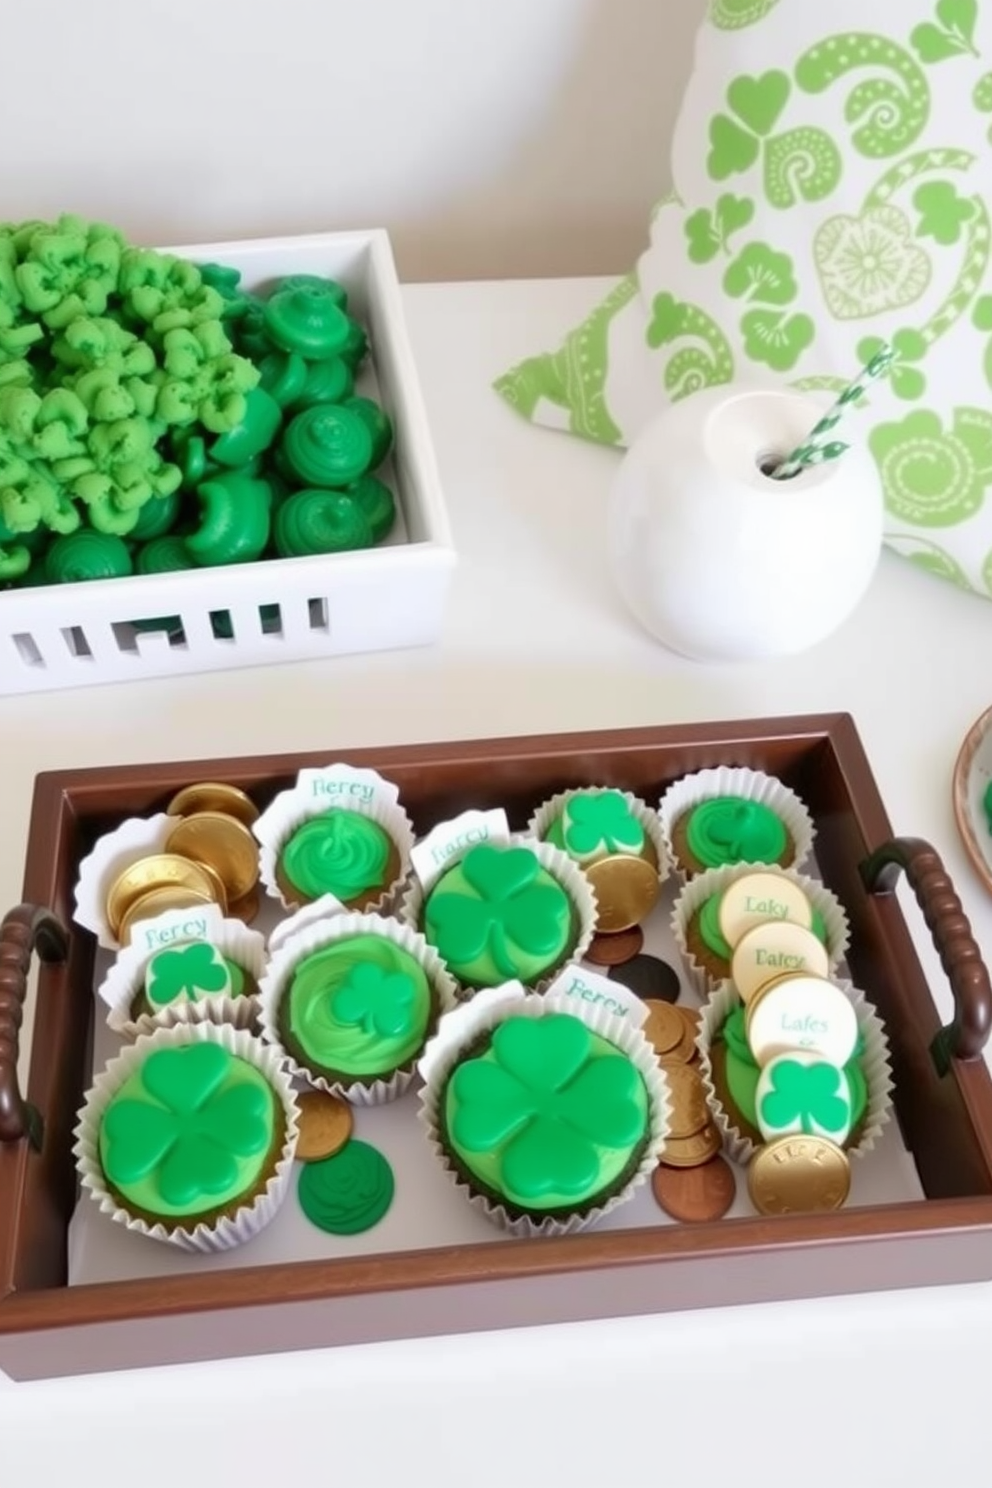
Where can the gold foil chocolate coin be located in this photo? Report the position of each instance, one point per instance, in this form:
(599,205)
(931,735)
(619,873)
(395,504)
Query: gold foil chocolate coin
(798,1175)
(157,902)
(210,795)
(158,871)
(692,1152)
(626,891)
(757,898)
(774,949)
(689,1110)
(223,843)
(326,1123)
(663,1027)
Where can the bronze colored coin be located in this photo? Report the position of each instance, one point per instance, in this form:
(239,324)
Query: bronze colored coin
(798,1175)
(685,1051)
(159,901)
(692,1152)
(695,1195)
(222,842)
(663,1027)
(211,795)
(158,871)
(326,1123)
(245,909)
(626,890)
(690,1112)
(614,950)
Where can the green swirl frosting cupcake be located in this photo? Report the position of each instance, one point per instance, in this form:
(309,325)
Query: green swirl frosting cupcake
(340,852)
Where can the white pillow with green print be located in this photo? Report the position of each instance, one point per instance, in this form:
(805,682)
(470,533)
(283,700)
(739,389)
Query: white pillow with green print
(832,167)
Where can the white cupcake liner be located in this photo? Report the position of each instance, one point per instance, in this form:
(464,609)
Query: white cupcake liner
(874,1063)
(314,913)
(715,880)
(290,809)
(736,780)
(137,837)
(126,976)
(226,1232)
(470,1021)
(314,937)
(549,810)
(561,867)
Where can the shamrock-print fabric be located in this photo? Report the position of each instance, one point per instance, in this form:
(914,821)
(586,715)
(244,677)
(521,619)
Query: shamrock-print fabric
(832,171)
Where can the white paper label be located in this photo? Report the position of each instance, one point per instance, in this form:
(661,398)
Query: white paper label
(174,927)
(451,840)
(342,785)
(599,991)
(321,909)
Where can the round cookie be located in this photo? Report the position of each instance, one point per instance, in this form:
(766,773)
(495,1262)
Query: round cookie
(498,915)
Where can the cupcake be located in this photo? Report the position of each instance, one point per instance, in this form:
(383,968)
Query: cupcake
(511,911)
(617,843)
(211,976)
(719,817)
(715,909)
(350,1003)
(340,832)
(188,1137)
(546,1115)
(739,1084)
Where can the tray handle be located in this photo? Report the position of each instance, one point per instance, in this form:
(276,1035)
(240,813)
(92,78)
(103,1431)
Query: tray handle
(967,1034)
(25,929)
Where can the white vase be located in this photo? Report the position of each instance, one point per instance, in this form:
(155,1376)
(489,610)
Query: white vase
(719,561)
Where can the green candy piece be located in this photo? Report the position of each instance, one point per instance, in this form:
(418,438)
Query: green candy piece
(253,435)
(378,504)
(987,805)
(378,424)
(156,517)
(327,382)
(236,520)
(349,1192)
(284,376)
(164,555)
(221,277)
(317,285)
(81,556)
(321,522)
(252,337)
(356,346)
(15,560)
(327,446)
(307,321)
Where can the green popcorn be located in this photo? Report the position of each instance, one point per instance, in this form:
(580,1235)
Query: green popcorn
(69,269)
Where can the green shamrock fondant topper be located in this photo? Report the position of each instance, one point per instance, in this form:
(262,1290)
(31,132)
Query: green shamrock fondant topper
(814,1096)
(189,971)
(192,1137)
(512,909)
(548,1104)
(375,1000)
(602,822)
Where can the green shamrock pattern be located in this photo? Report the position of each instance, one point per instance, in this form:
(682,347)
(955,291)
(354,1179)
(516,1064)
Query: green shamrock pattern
(376,1000)
(186,974)
(513,909)
(601,823)
(546,1105)
(829,197)
(804,1096)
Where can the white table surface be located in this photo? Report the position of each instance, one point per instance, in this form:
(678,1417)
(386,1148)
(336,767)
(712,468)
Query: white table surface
(885,1389)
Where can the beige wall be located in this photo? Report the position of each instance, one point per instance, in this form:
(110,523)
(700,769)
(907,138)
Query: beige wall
(493,137)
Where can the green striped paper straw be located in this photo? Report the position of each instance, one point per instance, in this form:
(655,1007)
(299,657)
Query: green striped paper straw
(816,448)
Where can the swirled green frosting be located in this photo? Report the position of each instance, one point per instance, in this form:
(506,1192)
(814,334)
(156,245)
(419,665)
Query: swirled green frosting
(339,852)
(730,829)
(360,1006)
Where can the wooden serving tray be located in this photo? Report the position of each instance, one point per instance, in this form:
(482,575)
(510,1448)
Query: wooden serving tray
(943,1094)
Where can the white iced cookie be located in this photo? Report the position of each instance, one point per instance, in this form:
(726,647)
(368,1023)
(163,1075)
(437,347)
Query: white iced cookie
(758,897)
(800,1094)
(776,948)
(801,1012)
(186,973)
